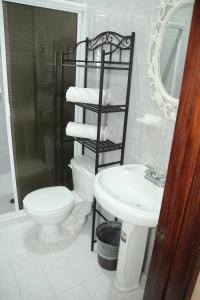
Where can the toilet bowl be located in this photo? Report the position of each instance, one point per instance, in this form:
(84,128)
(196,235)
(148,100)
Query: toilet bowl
(58,210)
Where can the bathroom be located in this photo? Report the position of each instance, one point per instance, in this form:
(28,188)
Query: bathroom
(34,156)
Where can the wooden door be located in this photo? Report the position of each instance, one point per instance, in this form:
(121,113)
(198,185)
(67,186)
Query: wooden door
(175,261)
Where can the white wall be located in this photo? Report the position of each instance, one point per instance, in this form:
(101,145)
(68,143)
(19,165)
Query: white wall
(144,144)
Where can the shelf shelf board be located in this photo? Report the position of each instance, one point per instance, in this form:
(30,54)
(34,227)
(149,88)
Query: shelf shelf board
(95,61)
(89,66)
(104,109)
(90,144)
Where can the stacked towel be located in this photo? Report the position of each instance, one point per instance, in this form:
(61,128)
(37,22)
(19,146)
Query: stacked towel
(87,95)
(86,131)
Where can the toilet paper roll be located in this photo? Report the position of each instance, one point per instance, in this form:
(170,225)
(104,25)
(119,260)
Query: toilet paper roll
(86,131)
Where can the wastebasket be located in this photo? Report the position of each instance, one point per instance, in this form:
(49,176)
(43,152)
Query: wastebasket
(108,239)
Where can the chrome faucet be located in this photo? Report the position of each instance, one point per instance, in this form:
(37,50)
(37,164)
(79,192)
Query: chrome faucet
(155,176)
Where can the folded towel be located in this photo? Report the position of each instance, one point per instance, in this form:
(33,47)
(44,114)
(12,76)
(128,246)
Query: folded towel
(86,131)
(87,95)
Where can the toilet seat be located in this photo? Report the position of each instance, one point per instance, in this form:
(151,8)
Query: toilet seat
(48,200)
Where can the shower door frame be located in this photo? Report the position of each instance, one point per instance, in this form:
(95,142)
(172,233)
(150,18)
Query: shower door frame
(62,5)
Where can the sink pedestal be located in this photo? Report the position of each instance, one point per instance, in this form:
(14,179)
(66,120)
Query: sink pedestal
(131,257)
(124,192)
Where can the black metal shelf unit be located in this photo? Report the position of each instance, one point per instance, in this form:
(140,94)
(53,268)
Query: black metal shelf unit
(104,109)
(116,54)
(104,146)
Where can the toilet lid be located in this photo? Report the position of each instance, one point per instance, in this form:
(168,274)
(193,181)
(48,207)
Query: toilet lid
(48,199)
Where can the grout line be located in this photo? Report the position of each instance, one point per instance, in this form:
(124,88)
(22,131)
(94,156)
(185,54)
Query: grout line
(54,293)
(71,289)
(90,298)
(118,11)
(45,275)
(11,266)
(147,9)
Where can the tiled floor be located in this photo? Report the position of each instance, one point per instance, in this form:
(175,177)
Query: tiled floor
(30,270)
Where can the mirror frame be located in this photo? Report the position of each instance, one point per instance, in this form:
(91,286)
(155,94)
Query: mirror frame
(166,102)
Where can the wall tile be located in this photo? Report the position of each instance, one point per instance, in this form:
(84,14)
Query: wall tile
(144,144)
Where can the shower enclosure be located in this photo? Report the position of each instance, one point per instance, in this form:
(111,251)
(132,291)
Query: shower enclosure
(6,191)
(33,35)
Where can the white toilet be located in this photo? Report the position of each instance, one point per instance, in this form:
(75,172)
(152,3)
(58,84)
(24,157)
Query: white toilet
(58,210)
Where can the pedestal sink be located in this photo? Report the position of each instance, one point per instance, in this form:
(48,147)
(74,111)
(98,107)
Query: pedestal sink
(124,192)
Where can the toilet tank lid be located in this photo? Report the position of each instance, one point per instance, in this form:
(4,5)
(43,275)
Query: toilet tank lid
(83,161)
(48,199)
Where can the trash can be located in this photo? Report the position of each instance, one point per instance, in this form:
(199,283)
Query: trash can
(108,239)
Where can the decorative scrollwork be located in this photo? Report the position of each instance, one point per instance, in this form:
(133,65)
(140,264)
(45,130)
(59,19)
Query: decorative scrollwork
(108,38)
(116,40)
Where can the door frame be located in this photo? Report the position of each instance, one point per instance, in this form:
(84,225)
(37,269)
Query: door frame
(80,10)
(175,262)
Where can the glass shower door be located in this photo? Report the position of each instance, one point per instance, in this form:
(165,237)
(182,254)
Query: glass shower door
(33,35)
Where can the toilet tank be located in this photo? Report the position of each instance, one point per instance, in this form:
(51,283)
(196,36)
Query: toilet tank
(83,176)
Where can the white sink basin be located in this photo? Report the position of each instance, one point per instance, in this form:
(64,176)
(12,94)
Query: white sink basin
(125,193)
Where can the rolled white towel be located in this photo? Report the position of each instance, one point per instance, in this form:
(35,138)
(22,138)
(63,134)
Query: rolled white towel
(87,95)
(86,131)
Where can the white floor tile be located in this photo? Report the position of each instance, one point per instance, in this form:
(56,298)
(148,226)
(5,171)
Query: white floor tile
(92,270)
(12,237)
(26,266)
(8,285)
(53,262)
(65,271)
(63,279)
(99,287)
(37,288)
(7,278)
(78,293)
(135,295)
(79,253)
(2,247)
(11,294)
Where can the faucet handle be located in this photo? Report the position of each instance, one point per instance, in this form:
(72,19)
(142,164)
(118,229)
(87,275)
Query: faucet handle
(150,169)
(155,176)
(157,171)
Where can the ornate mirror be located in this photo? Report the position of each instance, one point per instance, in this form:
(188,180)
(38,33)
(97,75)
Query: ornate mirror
(167,53)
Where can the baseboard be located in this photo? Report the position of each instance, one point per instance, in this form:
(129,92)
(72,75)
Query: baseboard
(13,218)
